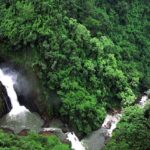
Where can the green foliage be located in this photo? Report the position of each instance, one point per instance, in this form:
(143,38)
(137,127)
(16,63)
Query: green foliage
(89,73)
(126,24)
(133,131)
(30,142)
(84,113)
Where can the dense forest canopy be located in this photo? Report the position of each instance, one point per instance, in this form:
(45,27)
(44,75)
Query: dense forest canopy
(94,53)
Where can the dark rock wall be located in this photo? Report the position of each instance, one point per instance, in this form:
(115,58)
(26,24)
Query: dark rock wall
(5,105)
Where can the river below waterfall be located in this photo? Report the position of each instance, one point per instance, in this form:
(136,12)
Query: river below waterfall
(97,139)
(26,120)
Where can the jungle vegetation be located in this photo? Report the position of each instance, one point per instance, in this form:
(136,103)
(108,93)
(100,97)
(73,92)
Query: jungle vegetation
(94,53)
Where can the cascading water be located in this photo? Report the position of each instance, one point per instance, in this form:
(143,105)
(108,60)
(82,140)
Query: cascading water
(70,136)
(97,139)
(143,100)
(8,81)
(76,144)
(19,117)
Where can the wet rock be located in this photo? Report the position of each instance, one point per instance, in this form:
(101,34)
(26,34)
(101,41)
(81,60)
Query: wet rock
(57,132)
(54,131)
(46,120)
(5,105)
(108,125)
(24,132)
(46,133)
(65,129)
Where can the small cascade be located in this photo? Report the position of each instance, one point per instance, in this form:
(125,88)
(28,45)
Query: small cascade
(110,123)
(76,144)
(97,139)
(143,100)
(8,81)
(56,131)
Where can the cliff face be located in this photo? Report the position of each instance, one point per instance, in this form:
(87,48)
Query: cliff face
(5,104)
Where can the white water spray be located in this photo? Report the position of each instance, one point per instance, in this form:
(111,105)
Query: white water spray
(143,100)
(76,144)
(8,80)
(110,123)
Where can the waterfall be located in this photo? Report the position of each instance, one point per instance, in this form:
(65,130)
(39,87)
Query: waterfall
(8,81)
(19,117)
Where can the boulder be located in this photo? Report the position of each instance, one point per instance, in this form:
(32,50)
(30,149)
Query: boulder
(24,132)
(108,125)
(5,104)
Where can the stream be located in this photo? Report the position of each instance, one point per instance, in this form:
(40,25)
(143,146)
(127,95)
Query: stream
(20,118)
(97,139)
